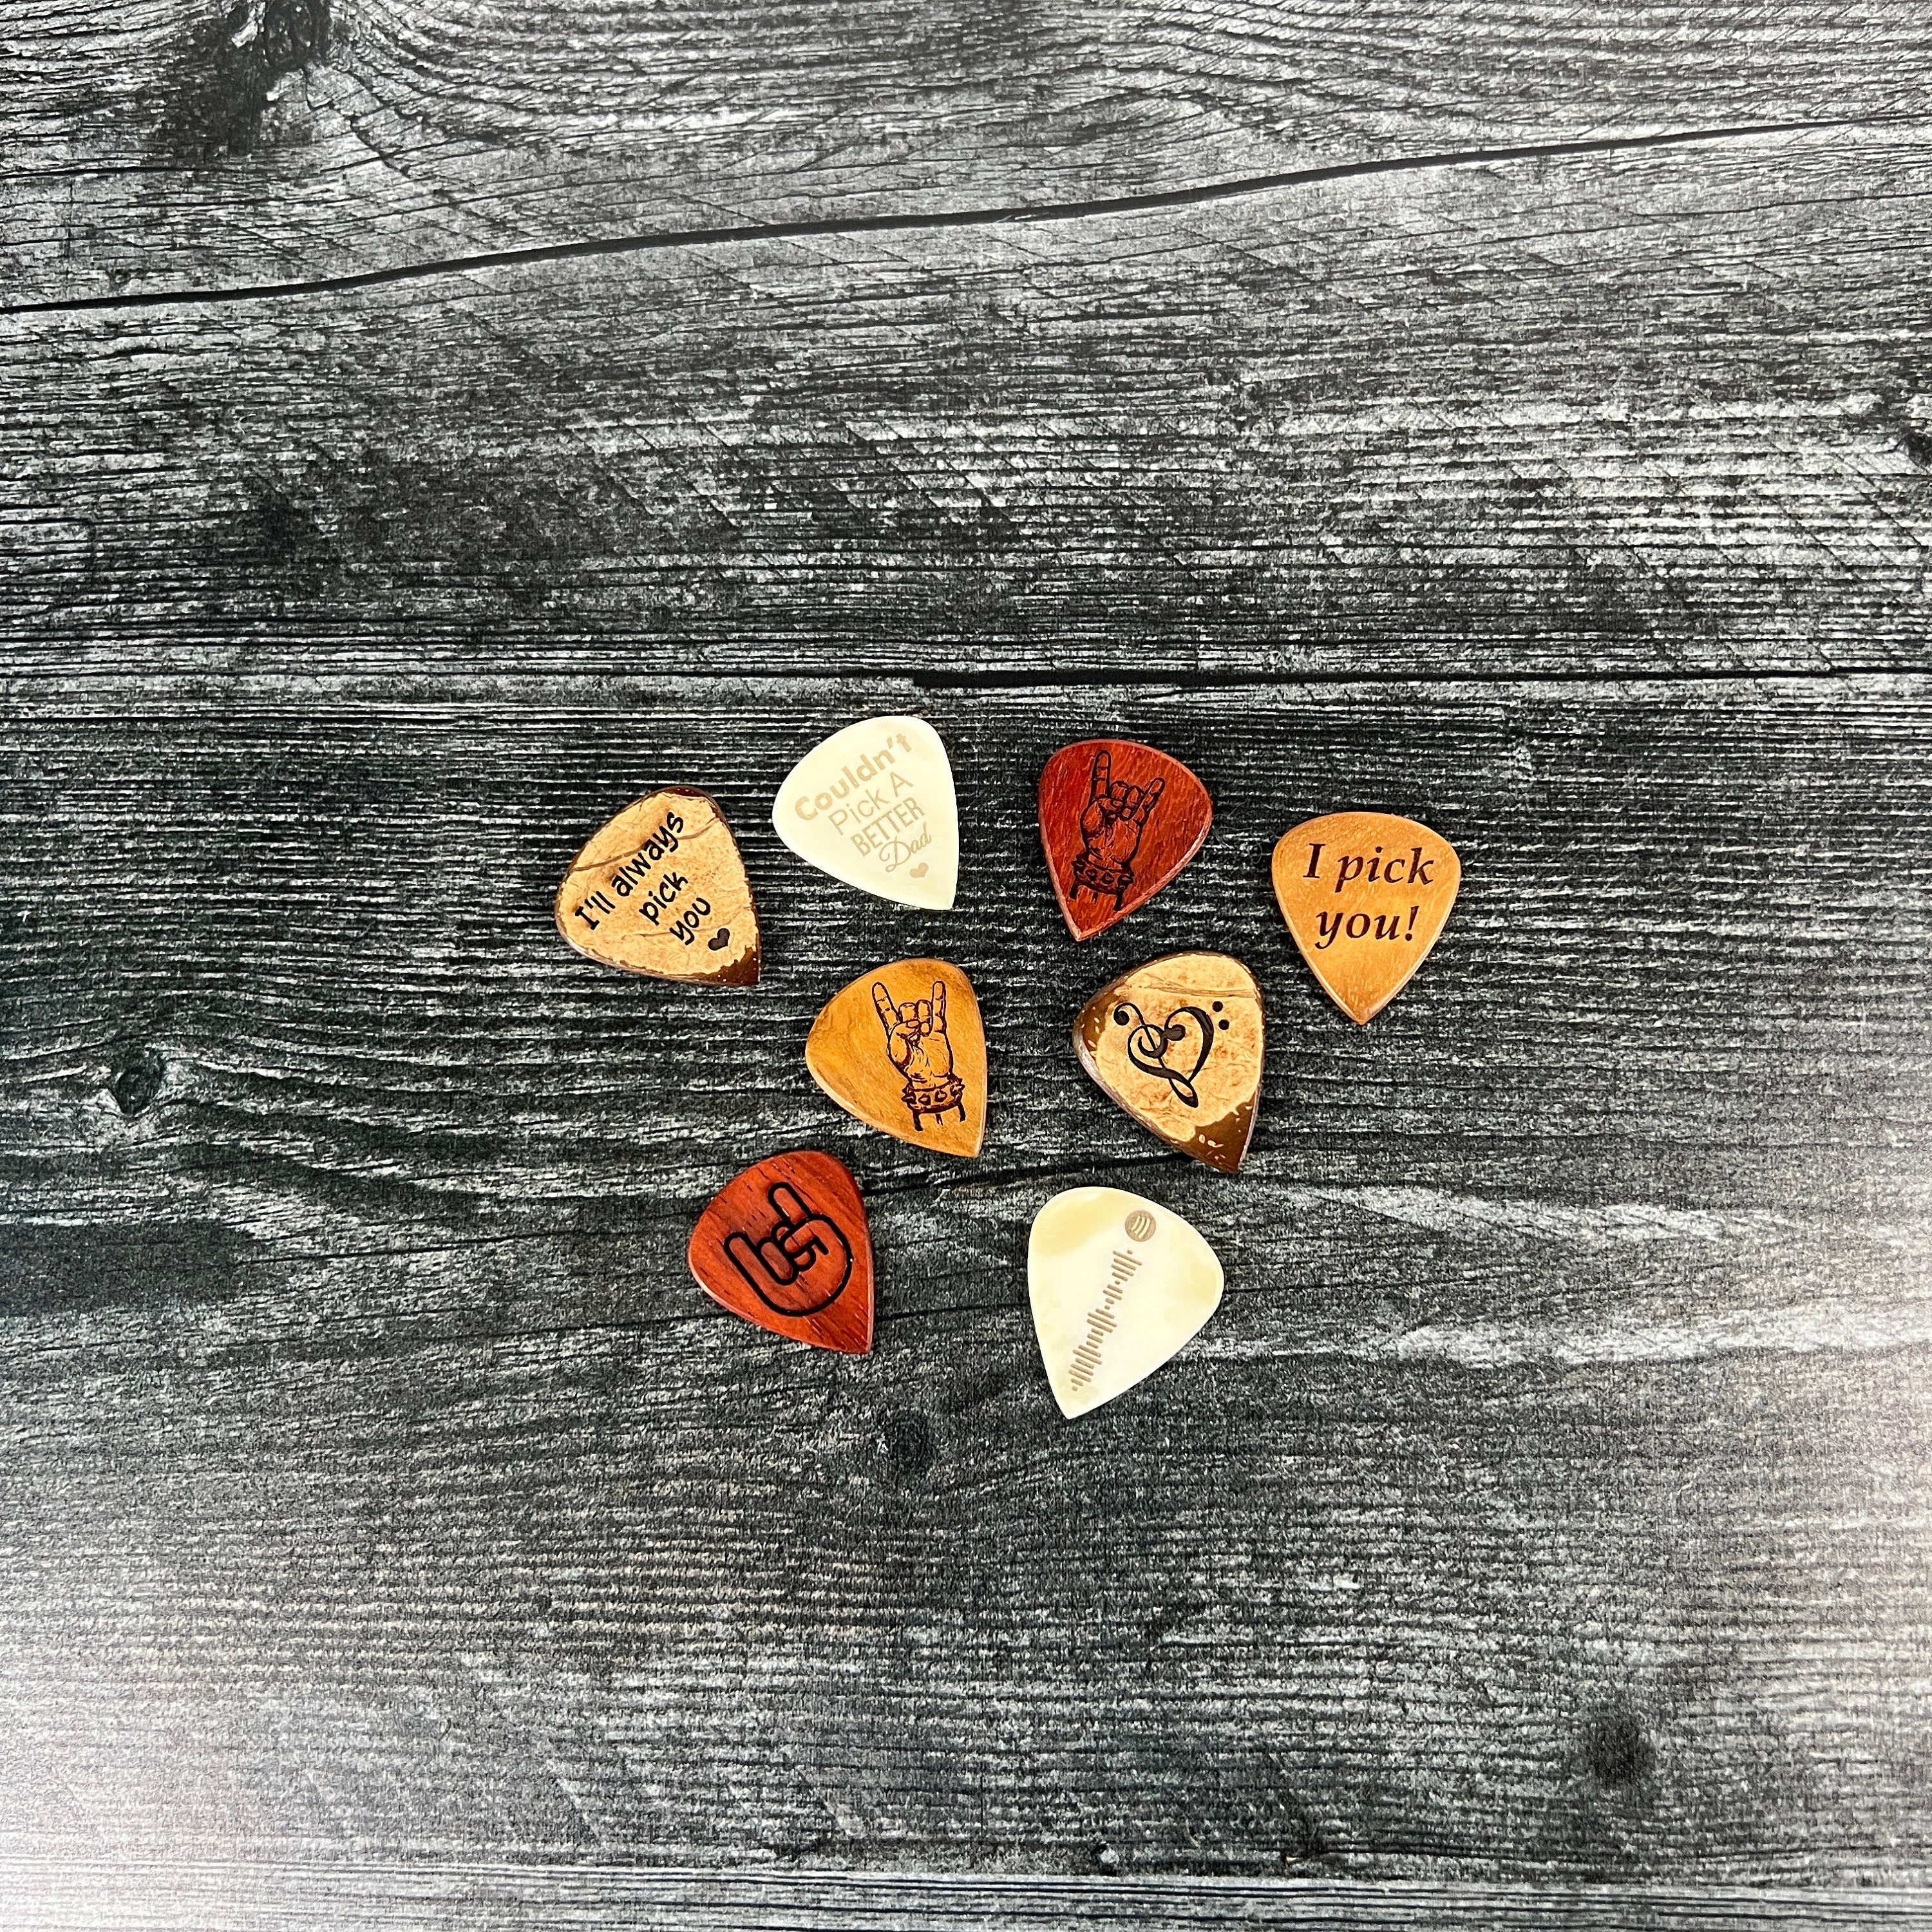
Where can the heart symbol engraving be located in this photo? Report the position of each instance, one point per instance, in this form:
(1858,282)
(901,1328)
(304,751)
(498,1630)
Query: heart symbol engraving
(873,805)
(658,884)
(1177,1043)
(1148,1042)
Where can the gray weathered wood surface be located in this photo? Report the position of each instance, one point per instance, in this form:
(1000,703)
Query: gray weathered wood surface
(388,1523)
(205,1896)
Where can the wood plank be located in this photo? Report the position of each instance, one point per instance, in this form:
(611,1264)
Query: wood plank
(1637,413)
(176,143)
(1547,1501)
(41,1896)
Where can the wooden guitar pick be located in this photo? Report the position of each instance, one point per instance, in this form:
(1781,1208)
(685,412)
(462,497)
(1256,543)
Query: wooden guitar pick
(903,1048)
(1118,1285)
(661,890)
(873,806)
(1118,820)
(786,1245)
(1178,1043)
(1366,895)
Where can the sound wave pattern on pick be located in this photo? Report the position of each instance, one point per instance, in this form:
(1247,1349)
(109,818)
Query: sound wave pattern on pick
(786,1245)
(1177,1043)
(1117,821)
(1119,1285)
(904,1049)
(661,890)
(1366,895)
(873,806)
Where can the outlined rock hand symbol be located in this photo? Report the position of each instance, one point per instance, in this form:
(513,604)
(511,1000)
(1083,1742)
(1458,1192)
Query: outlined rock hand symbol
(799,1268)
(1111,828)
(916,1042)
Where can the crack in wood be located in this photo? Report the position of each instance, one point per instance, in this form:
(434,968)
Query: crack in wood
(1097,208)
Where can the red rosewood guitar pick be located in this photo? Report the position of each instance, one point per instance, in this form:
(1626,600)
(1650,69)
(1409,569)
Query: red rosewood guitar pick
(786,1245)
(1118,820)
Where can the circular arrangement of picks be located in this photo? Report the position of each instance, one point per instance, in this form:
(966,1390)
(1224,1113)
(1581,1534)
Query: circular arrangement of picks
(1119,1285)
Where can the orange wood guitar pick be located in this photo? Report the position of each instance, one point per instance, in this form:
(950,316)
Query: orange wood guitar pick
(1118,820)
(1366,895)
(902,1048)
(1177,1043)
(786,1245)
(661,890)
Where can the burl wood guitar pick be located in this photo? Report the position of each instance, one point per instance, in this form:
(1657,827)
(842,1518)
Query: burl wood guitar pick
(1119,1285)
(1118,820)
(1366,895)
(661,889)
(1177,1043)
(873,806)
(903,1048)
(786,1245)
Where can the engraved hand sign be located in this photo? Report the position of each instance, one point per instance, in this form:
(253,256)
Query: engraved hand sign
(1110,830)
(916,1033)
(915,1040)
(801,1266)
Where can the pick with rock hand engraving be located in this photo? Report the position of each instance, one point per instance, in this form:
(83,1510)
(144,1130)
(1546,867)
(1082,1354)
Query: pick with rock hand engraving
(1119,1285)
(1177,1043)
(1117,821)
(661,890)
(873,806)
(1365,895)
(903,1048)
(786,1245)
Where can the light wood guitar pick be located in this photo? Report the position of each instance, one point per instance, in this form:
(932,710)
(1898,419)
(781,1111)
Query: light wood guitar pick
(1178,1043)
(903,1048)
(1118,1285)
(786,1245)
(661,890)
(1366,895)
(873,806)
(1118,820)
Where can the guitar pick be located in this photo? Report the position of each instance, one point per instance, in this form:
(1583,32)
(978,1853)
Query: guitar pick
(1118,1285)
(902,1048)
(661,890)
(1366,895)
(1177,1043)
(786,1245)
(1117,821)
(873,806)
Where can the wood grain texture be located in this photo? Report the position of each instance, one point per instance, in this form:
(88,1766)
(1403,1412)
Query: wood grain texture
(1545,1501)
(786,1245)
(183,143)
(903,1049)
(206,1897)
(1177,1043)
(1665,411)
(1117,821)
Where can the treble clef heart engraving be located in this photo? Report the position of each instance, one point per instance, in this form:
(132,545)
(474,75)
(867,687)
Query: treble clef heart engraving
(1149,1043)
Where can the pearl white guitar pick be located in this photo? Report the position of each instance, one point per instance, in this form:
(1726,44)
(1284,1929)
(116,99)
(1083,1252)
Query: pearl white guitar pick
(1119,1285)
(873,806)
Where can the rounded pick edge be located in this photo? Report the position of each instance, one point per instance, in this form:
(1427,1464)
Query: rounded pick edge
(864,1235)
(745,973)
(1089,1064)
(1108,921)
(928,903)
(839,1100)
(1361,1016)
